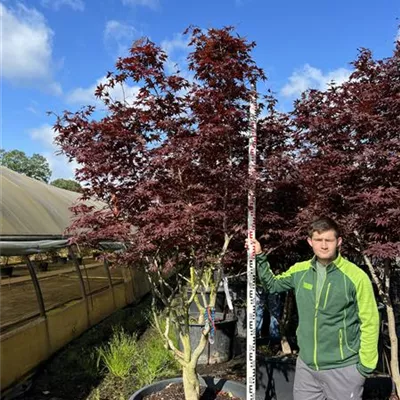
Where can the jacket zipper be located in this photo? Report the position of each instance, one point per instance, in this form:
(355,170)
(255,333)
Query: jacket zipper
(315,321)
(327,293)
(341,343)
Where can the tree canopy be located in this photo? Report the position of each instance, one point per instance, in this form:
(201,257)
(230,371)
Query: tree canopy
(173,163)
(347,145)
(36,166)
(67,184)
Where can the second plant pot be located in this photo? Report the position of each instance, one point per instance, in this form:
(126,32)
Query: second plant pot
(222,348)
(220,302)
(275,377)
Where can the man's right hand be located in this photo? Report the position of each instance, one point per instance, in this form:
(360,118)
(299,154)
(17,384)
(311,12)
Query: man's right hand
(253,242)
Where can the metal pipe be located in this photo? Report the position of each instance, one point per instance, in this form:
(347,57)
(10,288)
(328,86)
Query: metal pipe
(78,271)
(36,285)
(107,270)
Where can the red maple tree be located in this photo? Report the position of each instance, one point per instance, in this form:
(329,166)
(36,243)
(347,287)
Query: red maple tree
(172,165)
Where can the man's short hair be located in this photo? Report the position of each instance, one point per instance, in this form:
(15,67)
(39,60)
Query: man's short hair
(323,224)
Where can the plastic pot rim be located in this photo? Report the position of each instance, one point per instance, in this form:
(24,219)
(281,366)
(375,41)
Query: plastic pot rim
(138,395)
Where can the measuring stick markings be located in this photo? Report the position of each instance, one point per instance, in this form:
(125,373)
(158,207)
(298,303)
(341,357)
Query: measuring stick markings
(251,257)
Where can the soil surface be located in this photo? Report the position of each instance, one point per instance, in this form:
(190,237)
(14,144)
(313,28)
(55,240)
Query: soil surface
(233,370)
(174,391)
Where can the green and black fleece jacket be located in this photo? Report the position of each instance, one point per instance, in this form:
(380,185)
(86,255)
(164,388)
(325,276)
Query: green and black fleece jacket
(341,326)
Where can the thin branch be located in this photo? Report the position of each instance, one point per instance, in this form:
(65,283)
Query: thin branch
(177,353)
(371,268)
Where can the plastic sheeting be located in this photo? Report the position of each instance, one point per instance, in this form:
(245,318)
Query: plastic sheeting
(30,247)
(112,246)
(32,208)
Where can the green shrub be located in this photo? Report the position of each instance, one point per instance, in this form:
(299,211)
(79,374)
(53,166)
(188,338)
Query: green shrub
(145,360)
(118,355)
(153,361)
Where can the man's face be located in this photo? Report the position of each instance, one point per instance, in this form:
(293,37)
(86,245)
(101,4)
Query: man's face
(324,245)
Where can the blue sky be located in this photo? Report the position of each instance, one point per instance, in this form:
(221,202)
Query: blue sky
(55,51)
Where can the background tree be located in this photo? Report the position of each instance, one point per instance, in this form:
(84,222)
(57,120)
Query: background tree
(347,146)
(67,184)
(36,166)
(280,197)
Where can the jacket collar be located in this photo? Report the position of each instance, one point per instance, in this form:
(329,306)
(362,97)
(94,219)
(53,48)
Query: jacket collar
(336,263)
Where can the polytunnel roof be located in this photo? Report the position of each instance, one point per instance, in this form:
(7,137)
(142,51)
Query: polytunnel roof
(31,209)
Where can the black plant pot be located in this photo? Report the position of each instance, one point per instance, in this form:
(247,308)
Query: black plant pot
(6,271)
(275,378)
(237,389)
(224,336)
(220,302)
(55,259)
(43,266)
(377,387)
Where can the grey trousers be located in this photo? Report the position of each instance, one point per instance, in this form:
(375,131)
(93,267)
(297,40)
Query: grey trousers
(334,384)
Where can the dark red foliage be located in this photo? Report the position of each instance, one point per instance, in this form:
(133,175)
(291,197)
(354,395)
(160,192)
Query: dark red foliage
(172,163)
(347,145)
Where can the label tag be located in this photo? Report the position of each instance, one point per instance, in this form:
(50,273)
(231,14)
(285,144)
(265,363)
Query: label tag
(227,294)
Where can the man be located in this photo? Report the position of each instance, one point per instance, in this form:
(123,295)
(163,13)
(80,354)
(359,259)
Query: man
(338,317)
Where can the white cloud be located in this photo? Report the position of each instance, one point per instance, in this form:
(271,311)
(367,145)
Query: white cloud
(27,48)
(77,5)
(118,30)
(313,78)
(179,42)
(59,164)
(33,108)
(398,36)
(85,96)
(177,49)
(119,36)
(44,134)
(154,4)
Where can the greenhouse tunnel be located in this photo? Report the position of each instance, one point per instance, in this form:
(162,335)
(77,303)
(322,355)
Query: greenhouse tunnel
(51,291)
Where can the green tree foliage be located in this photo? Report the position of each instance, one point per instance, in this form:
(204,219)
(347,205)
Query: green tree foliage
(67,184)
(36,167)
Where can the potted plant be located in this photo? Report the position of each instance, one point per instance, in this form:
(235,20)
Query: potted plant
(6,270)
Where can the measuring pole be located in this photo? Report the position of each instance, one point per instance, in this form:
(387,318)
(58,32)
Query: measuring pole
(251,254)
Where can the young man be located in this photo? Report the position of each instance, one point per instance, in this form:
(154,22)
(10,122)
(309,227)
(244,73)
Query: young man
(338,317)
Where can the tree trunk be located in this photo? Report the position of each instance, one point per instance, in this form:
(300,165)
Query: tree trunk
(284,322)
(394,361)
(191,384)
(384,293)
(286,349)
